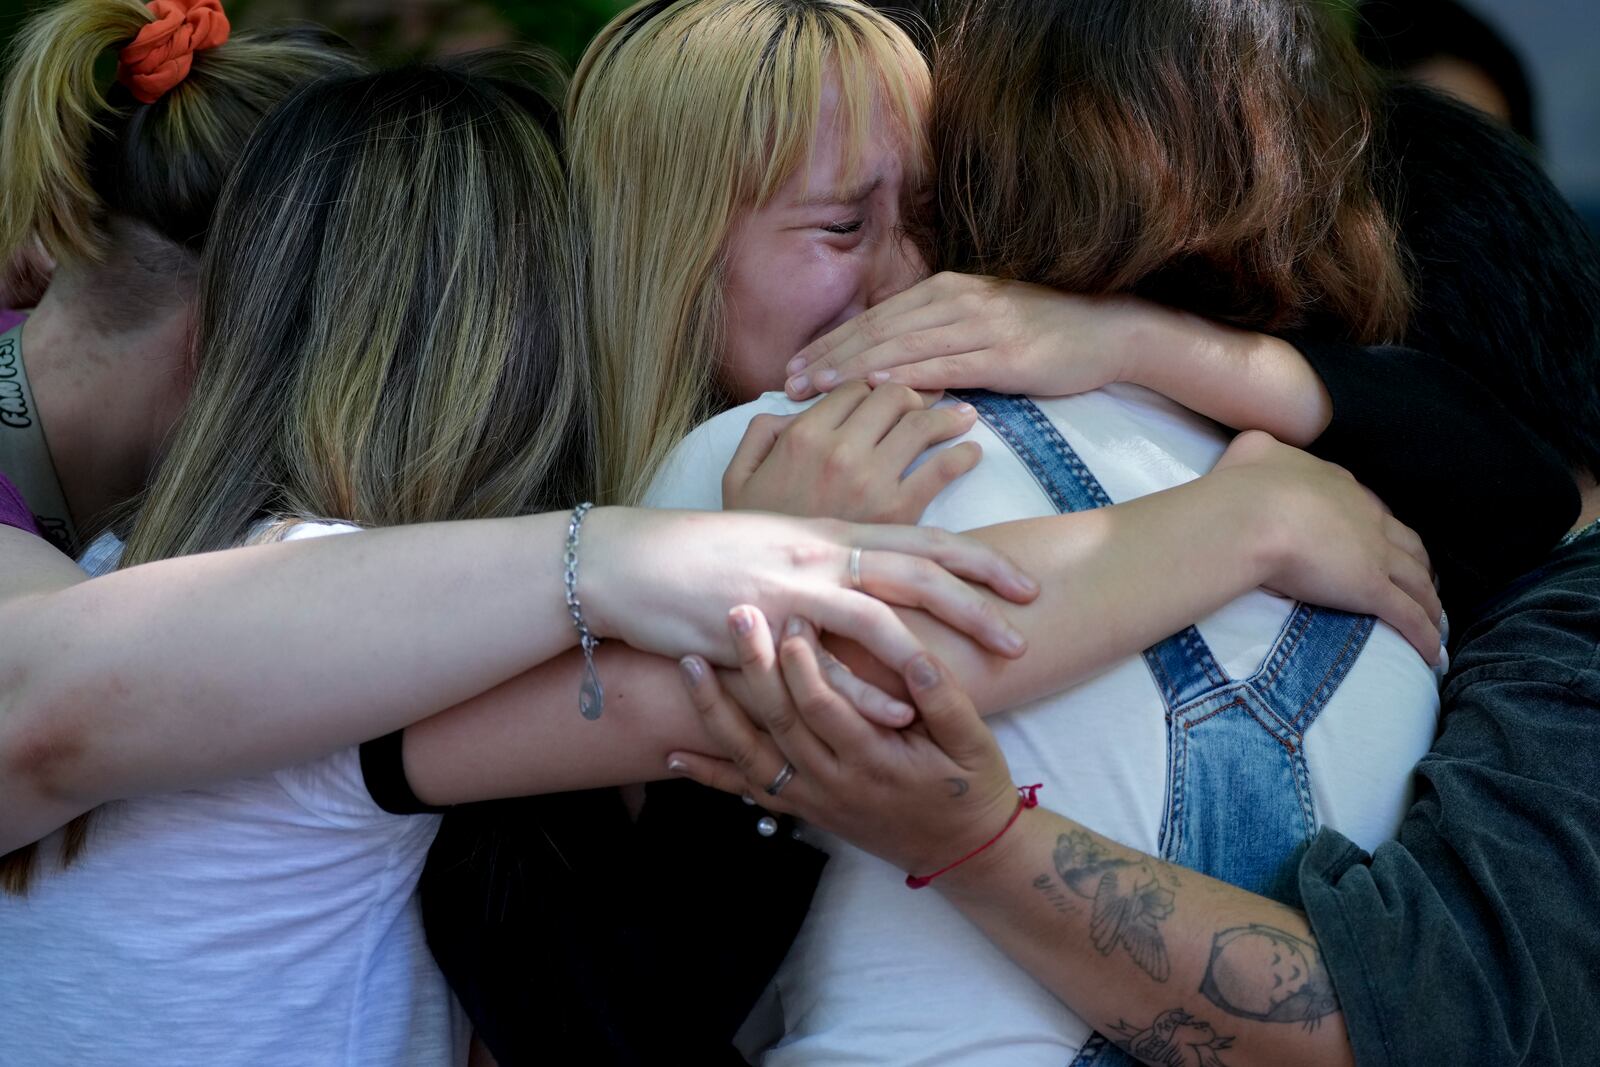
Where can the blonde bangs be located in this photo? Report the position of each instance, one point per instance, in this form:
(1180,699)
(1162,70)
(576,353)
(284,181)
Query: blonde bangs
(874,65)
(683,114)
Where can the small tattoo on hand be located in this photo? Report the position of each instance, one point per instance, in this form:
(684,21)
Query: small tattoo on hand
(958,786)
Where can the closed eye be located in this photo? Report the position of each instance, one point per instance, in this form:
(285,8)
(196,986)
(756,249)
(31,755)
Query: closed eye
(845,228)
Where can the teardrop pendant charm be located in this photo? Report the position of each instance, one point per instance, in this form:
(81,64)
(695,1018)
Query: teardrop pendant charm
(591,695)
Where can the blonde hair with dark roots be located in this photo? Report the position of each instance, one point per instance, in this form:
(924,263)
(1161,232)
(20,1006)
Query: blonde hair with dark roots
(389,330)
(72,154)
(682,114)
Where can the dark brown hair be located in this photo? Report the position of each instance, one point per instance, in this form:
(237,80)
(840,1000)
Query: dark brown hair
(1210,154)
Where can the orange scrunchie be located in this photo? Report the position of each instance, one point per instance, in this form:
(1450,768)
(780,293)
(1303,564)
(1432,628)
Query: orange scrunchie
(161,55)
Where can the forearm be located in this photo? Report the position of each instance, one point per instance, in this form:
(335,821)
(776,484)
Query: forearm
(526,736)
(1245,380)
(180,671)
(1114,581)
(1141,949)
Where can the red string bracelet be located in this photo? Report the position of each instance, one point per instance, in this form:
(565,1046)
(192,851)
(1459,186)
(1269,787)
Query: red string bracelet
(1027,797)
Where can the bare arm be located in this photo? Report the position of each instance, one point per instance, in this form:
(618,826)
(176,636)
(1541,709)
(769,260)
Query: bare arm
(1173,966)
(1114,581)
(205,667)
(1200,965)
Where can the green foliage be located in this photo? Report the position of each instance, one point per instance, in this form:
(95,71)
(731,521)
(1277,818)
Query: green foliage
(563,26)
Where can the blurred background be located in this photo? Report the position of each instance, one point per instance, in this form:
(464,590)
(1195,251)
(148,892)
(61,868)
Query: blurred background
(1537,62)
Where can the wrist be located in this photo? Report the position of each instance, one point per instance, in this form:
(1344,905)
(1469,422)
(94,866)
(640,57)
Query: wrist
(600,554)
(1160,347)
(996,865)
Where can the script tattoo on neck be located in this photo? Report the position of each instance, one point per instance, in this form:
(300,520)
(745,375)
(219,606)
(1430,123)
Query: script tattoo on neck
(1174,1039)
(1131,898)
(1263,973)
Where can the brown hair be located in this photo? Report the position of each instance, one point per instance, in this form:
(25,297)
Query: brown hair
(1210,154)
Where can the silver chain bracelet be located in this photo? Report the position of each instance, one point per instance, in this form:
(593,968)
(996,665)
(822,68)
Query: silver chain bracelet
(591,695)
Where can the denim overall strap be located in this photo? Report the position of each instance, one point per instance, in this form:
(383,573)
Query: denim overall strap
(1182,665)
(1239,804)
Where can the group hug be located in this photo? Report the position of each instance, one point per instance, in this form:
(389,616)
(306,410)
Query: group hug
(1068,537)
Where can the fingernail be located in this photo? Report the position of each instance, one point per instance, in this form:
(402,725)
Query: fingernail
(799,384)
(826,378)
(693,673)
(901,710)
(749,800)
(677,766)
(923,673)
(795,628)
(742,622)
(1013,641)
(795,365)
(966,409)
(878,377)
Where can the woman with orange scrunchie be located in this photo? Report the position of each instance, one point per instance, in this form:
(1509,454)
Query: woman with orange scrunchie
(161,55)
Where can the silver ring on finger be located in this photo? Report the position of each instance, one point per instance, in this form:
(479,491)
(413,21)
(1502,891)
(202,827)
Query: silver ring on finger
(781,780)
(855,567)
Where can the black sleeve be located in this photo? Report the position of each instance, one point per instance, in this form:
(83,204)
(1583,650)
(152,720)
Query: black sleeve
(384,773)
(1488,498)
(1471,938)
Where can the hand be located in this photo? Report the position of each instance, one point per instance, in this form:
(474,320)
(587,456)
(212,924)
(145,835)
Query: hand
(920,798)
(1334,542)
(664,581)
(956,331)
(846,457)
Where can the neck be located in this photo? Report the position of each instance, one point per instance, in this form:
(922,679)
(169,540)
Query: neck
(105,402)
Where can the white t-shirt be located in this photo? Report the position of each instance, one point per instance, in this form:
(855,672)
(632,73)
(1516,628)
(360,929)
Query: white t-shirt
(882,975)
(269,920)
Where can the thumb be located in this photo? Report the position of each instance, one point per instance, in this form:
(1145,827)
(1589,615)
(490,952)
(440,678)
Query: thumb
(947,712)
(756,445)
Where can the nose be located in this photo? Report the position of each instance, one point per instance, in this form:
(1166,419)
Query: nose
(899,266)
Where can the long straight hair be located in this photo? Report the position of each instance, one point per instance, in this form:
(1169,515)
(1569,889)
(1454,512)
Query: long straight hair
(1211,154)
(388,321)
(682,115)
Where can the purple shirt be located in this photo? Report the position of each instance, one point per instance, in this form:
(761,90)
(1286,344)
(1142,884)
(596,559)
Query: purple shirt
(10,318)
(14,510)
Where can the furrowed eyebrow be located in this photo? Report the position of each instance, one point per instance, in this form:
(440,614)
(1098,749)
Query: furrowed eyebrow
(842,196)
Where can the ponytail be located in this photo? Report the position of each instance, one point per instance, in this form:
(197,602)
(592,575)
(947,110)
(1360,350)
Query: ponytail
(73,153)
(52,109)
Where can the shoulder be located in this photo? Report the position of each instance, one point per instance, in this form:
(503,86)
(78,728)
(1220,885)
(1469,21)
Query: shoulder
(691,477)
(1545,629)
